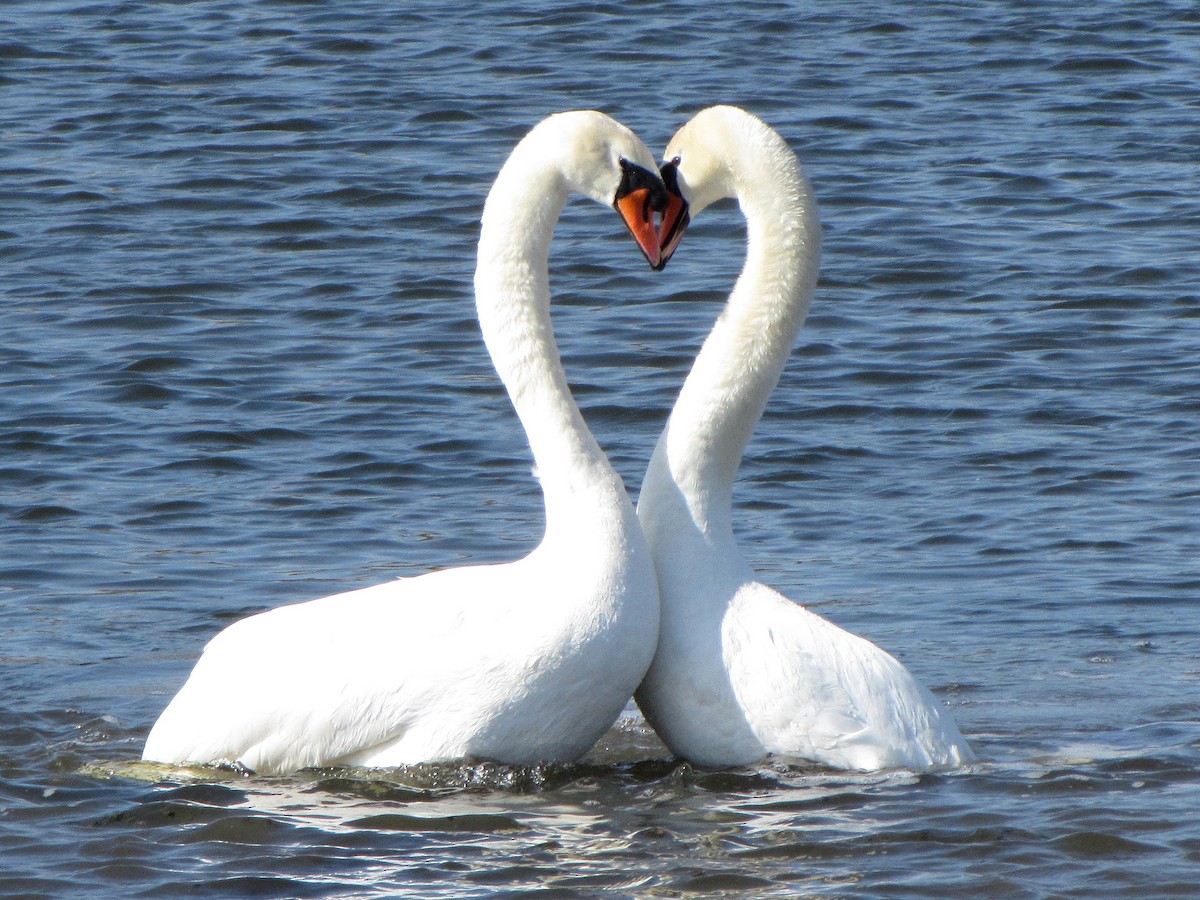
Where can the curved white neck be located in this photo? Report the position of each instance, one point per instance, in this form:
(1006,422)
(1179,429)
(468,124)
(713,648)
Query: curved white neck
(721,401)
(512,293)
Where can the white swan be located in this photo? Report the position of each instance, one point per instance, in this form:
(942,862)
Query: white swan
(741,671)
(520,662)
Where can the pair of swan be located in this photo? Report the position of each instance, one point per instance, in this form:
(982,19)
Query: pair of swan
(533,660)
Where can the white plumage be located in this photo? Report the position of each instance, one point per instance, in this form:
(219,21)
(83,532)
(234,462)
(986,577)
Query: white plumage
(521,662)
(741,671)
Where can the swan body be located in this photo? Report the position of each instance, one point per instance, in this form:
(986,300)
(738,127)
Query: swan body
(742,671)
(519,662)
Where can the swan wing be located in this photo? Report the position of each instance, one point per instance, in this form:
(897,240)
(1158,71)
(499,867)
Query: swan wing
(818,692)
(333,679)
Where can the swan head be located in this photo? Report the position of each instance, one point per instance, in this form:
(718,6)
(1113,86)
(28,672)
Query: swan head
(602,159)
(704,162)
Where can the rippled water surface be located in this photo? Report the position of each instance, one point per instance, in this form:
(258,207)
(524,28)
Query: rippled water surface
(239,367)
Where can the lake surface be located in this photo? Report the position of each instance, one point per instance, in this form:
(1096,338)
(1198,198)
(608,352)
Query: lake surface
(239,367)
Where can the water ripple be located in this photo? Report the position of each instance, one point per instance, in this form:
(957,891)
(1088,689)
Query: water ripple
(240,367)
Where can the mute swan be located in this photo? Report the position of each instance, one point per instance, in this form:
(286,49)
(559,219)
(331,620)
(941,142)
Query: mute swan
(520,662)
(741,671)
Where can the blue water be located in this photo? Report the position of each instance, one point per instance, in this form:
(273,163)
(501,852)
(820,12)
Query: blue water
(239,367)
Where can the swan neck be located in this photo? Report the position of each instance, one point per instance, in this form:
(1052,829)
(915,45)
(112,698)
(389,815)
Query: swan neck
(742,358)
(513,304)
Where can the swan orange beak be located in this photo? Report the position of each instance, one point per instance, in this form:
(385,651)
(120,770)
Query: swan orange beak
(675,218)
(639,198)
(635,209)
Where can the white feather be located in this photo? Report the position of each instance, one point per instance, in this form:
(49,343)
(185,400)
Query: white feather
(521,662)
(741,671)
